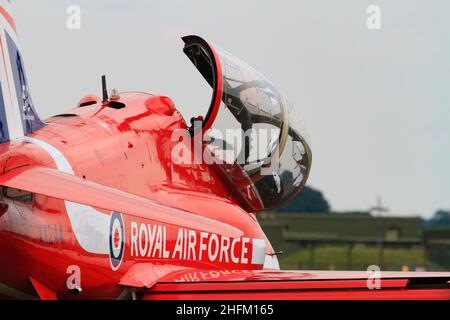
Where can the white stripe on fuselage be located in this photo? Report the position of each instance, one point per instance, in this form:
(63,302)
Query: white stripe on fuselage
(271,263)
(91,227)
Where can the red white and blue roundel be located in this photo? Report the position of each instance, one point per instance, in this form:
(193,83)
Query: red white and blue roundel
(116,240)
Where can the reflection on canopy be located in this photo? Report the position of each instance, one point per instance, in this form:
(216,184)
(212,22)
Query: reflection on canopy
(257,141)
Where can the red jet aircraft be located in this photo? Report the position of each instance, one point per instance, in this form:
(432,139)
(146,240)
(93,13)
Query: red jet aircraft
(120,198)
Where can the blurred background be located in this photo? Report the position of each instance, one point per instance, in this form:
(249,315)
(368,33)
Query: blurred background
(373,93)
(312,236)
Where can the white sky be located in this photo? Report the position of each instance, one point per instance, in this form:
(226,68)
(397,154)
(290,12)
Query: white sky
(376,103)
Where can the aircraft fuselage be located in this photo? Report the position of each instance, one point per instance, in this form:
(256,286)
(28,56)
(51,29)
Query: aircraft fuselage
(62,245)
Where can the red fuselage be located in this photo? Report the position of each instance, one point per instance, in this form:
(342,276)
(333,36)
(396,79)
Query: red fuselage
(128,149)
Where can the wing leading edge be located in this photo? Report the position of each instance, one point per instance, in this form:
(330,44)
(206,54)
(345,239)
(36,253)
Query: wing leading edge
(60,185)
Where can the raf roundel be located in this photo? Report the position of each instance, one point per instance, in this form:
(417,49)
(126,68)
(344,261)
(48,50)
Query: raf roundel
(116,240)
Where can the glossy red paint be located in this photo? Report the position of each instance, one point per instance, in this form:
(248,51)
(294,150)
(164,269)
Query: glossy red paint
(218,91)
(217,85)
(309,285)
(43,292)
(121,162)
(71,188)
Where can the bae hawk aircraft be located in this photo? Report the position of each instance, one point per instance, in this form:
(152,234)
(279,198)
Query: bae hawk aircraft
(93,205)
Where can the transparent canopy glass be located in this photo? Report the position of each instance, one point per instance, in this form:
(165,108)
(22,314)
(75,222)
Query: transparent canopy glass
(252,133)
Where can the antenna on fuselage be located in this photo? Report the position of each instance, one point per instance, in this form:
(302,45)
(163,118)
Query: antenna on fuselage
(104,89)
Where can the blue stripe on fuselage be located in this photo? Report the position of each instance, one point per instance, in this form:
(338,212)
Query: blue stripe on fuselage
(30,119)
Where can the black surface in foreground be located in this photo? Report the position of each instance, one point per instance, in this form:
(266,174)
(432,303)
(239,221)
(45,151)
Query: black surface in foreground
(221,309)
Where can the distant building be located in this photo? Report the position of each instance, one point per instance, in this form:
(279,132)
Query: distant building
(437,244)
(341,228)
(288,232)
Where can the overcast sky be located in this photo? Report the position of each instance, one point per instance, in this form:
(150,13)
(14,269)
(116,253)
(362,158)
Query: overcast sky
(376,102)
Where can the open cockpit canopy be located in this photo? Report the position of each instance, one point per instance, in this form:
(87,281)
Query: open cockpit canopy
(253,135)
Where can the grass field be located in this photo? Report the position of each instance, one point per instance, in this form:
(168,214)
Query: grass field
(336,258)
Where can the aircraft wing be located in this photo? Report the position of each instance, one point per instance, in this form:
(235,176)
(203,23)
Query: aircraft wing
(60,185)
(179,283)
